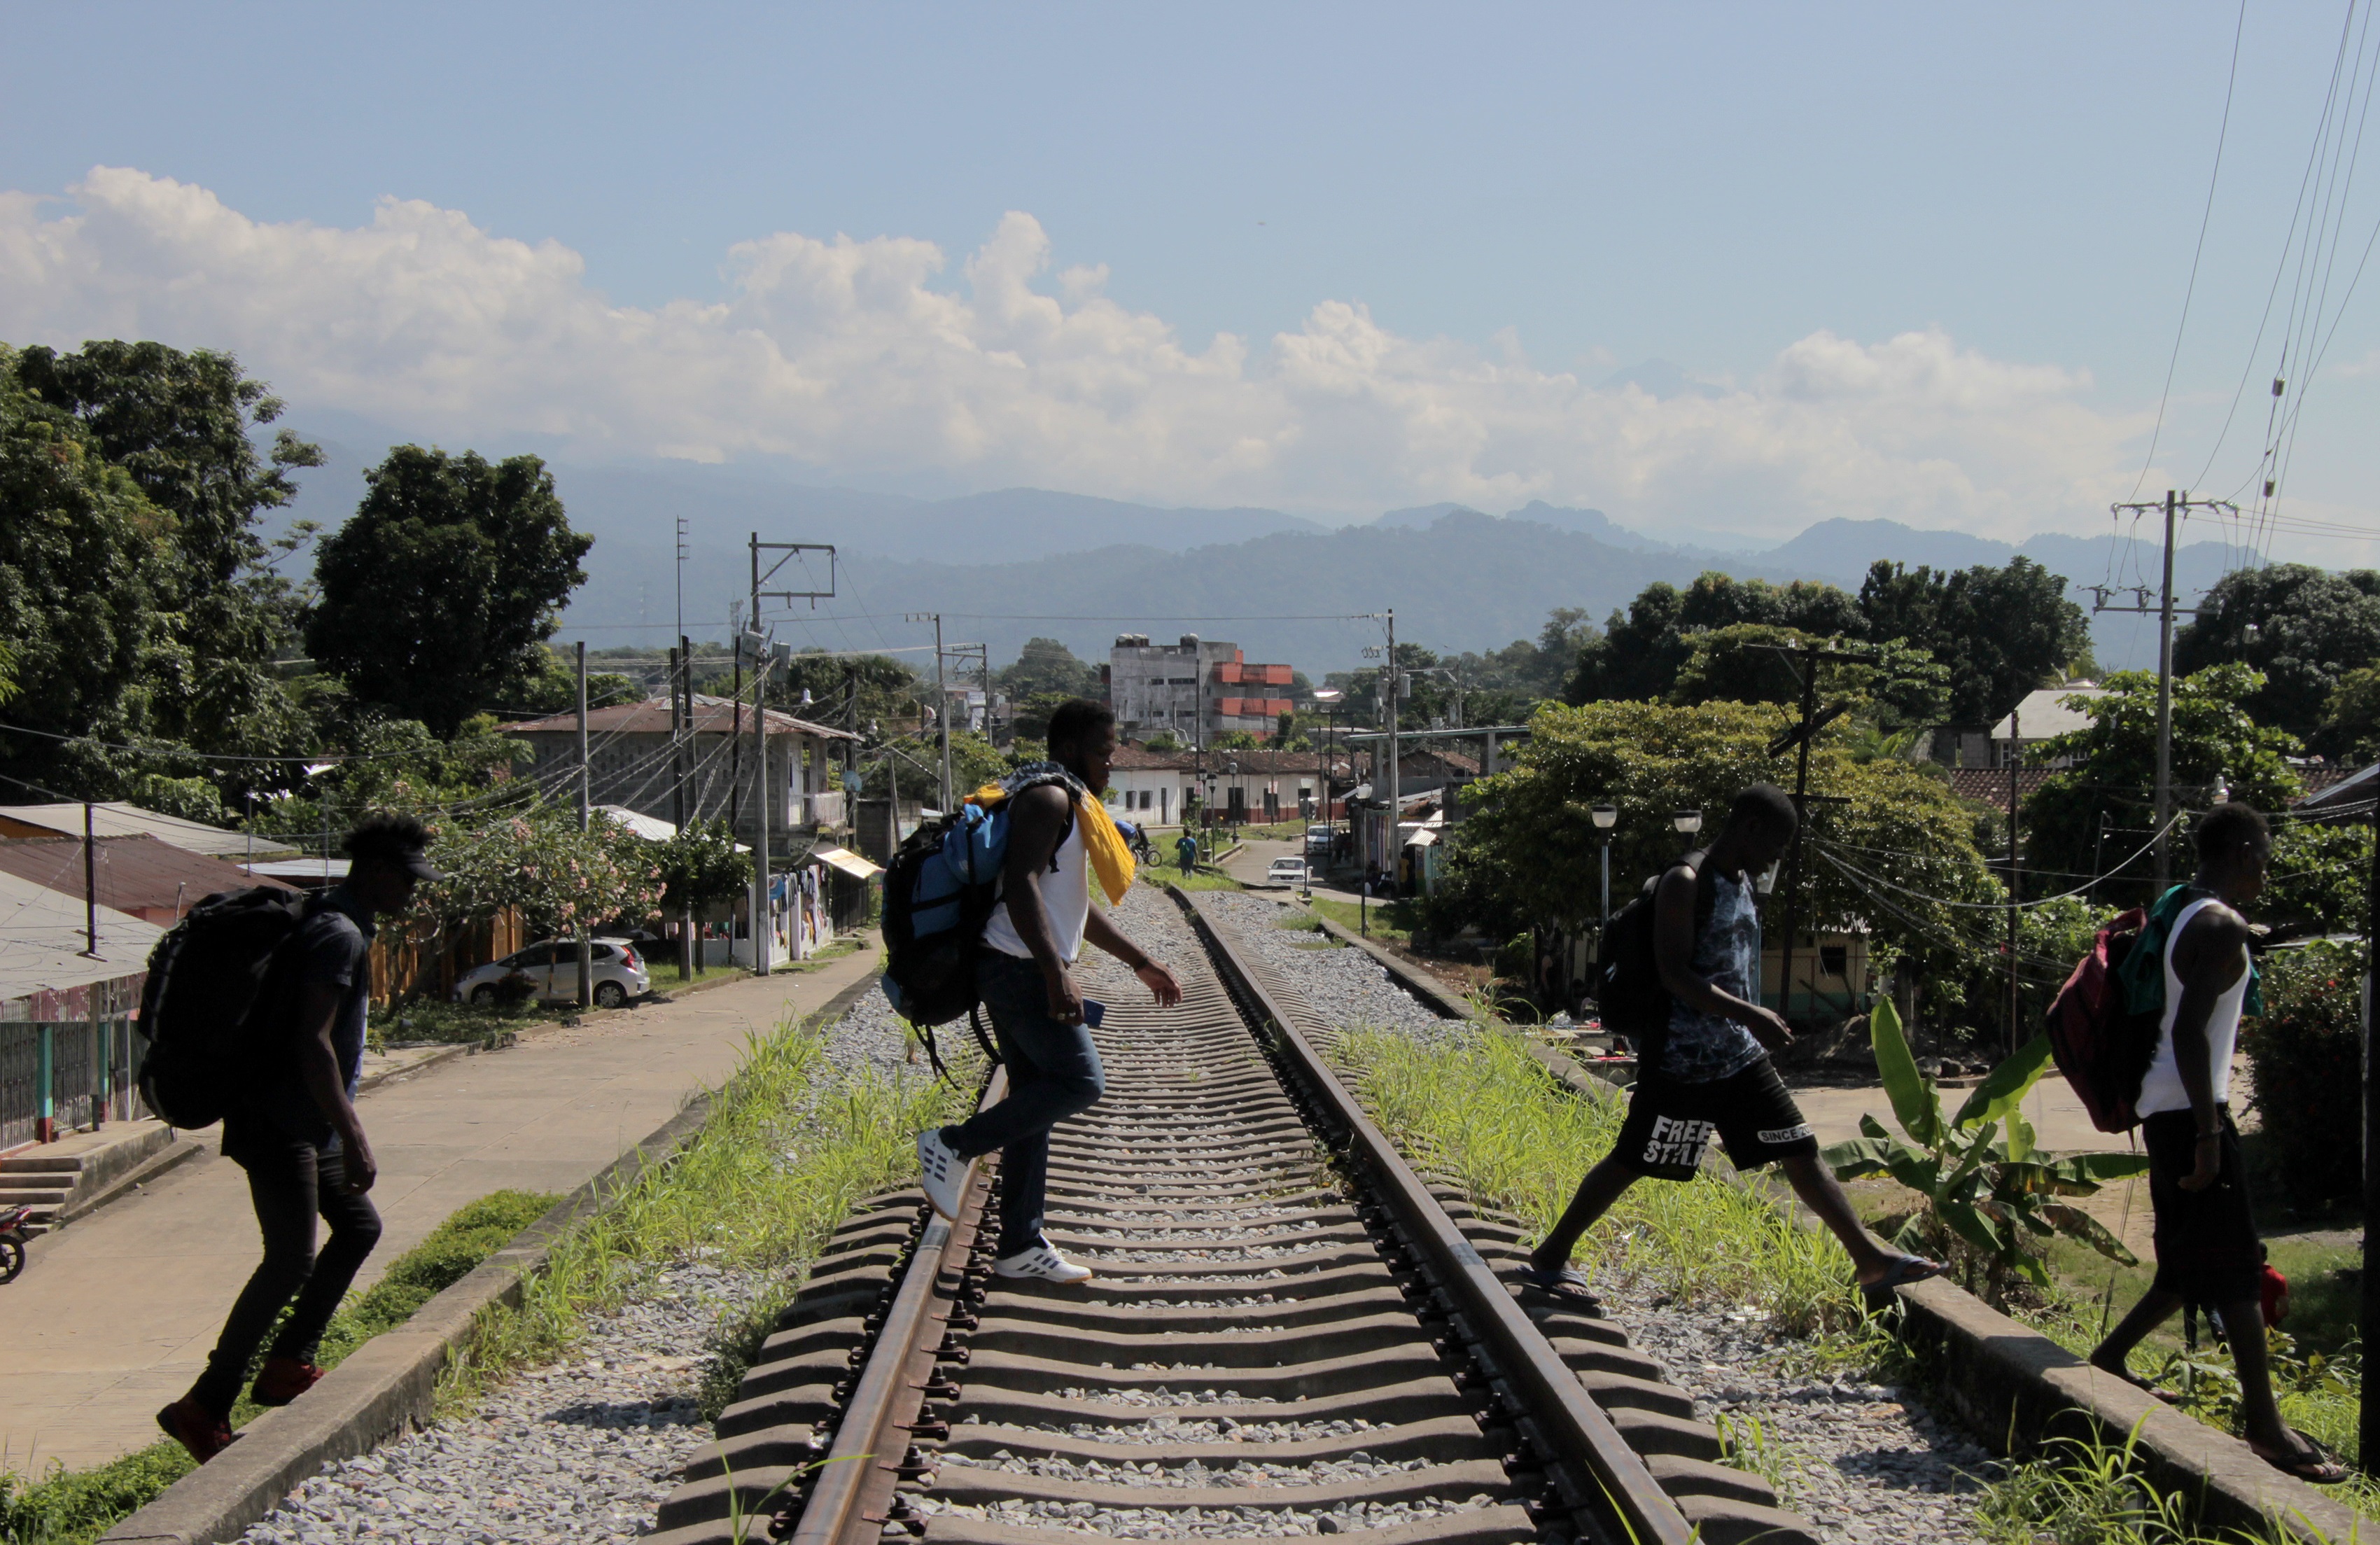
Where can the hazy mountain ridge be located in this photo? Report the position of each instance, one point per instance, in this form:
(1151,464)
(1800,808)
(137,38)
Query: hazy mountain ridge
(1459,578)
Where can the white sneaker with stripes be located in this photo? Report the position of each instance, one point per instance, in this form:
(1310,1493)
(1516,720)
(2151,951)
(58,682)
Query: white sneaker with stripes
(942,1171)
(1043,1264)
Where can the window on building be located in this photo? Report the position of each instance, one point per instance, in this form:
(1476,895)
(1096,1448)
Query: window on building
(1834,960)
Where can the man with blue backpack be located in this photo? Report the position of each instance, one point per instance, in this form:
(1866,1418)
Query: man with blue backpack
(1058,837)
(1703,1068)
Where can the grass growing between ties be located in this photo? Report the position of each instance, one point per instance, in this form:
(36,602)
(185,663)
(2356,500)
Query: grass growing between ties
(67,1507)
(791,1142)
(1486,1115)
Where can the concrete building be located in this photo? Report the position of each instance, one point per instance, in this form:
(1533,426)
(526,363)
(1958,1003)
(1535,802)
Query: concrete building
(1241,787)
(1194,689)
(2043,716)
(67,1054)
(631,764)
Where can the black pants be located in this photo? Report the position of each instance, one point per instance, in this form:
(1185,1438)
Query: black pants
(289,1181)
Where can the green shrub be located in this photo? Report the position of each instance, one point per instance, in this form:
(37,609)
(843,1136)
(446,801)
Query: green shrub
(2306,1054)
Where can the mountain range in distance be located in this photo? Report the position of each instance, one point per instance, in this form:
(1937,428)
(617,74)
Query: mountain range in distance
(1007,565)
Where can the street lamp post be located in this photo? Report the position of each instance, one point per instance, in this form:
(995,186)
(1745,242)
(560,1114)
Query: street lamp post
(1605,817)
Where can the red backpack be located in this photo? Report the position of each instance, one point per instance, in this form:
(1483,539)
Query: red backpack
(2102,1048)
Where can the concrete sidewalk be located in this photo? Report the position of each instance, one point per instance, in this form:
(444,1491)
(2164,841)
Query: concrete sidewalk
(115,1315)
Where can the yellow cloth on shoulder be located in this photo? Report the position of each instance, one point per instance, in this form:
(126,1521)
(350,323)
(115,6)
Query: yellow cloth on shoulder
(1102,844)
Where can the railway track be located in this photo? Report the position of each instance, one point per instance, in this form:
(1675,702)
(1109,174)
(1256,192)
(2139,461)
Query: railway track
(1291,1332)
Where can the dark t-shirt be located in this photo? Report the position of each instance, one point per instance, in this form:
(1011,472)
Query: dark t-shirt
(333,949)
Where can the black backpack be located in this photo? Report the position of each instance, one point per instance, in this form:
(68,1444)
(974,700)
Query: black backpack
(208,979)
(1630,998)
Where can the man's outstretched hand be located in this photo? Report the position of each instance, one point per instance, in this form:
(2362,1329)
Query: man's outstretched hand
(1160,983)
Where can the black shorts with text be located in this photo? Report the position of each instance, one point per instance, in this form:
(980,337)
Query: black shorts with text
(1669,1124)
(2207,1252)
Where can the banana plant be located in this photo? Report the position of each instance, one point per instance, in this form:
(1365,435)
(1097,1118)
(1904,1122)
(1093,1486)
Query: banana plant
(1983,1178)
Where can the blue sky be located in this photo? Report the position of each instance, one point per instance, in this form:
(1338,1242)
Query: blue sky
(1506,204)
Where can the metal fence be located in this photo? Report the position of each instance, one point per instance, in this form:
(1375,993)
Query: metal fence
(69,1072)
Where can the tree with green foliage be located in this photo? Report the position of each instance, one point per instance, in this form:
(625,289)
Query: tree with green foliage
(701,868)
(975,761)
(1045,665)
(1533,846)
(1640,654)
(886,688)
(537,859)
(438,595)
(2110,771)
(1903,686)
(87,563)
(554,688)
(2301,628)
(184,427)
(2351,719)
(2000,631)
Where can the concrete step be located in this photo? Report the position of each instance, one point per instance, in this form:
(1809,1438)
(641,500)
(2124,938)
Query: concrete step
(62,1180)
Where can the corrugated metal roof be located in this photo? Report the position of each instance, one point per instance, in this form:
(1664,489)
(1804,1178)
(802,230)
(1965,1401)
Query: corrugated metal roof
(2044,712)
(138,875)
(112,819)
(42,942)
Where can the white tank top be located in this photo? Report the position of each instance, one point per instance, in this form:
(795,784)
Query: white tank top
(1066,901)
(2161,1090)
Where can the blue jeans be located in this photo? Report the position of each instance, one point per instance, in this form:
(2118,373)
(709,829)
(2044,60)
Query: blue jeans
(1053,1072)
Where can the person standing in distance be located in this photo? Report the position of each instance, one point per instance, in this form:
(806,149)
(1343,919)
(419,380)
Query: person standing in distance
(1710,1076)
(296,1134)
(2207,1252)
(1025,975)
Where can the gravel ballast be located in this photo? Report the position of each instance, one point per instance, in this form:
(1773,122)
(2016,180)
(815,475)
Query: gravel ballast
(1342,984)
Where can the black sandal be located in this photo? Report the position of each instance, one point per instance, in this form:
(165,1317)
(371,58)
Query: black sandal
(1565,1284)
(1903,1270)
(2315,1465)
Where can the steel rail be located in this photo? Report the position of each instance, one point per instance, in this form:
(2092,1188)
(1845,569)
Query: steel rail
(857,1469)
(1563,1417)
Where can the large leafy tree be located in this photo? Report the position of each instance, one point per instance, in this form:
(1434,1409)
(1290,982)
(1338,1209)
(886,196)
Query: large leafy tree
(1903,686)
(2302,628)
(886,688)
(2217,745)
(1890,857)
(85,559)
(1640,654)
(184,426)
(2002,631)
(1045,665)
(439,593)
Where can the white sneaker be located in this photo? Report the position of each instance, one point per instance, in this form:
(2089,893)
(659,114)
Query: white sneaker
(1041,1262)
(943,1172)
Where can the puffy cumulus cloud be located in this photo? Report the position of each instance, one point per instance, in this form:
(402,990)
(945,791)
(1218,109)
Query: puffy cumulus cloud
(866,357)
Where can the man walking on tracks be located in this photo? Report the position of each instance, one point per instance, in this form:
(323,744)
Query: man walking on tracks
(1025,975)
(1710,1074)
(296,1134)
(2207,1252)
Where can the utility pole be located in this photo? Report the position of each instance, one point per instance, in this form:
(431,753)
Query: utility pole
(585,947)
(763,796)
(941,704)
(681,708)
(89,884)
(2368,1458)
(2016,871)
(1394,681)
(2177,507)
(1803,732)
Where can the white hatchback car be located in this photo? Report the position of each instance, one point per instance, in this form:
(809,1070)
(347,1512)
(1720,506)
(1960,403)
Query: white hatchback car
(1286,871)
(552,969)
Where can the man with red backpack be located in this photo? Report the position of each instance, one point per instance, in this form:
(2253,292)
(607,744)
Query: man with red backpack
(2207,1252)
(294,1130)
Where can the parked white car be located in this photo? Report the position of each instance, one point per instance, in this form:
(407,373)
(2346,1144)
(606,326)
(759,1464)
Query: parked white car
(553,968)
(1286,871)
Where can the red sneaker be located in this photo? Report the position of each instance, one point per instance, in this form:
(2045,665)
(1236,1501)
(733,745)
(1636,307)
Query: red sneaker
(196,1428)
(283,1380)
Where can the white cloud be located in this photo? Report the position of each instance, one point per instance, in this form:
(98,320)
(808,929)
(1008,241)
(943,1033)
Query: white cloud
(859,357)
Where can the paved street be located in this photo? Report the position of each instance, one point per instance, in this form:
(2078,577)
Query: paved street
(114,1315)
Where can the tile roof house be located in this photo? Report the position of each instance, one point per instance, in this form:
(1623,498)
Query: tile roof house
(632,763)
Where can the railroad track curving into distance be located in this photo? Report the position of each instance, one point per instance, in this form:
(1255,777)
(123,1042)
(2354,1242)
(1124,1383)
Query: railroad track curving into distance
(1291,1332)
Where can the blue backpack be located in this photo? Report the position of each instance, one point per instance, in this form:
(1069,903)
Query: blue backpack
(939,894)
